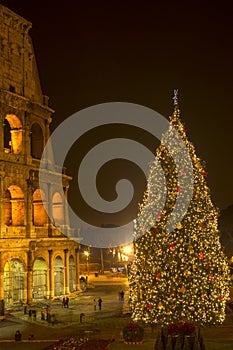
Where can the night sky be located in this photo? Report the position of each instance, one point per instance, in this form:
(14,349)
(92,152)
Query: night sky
(90,52)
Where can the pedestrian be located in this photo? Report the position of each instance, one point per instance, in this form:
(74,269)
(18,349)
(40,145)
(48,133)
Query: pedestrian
(64,302)
(48,313)
(100,303)
(42,313)
(67,302)
(94,304)
(30,314)
(122,295)
(18,336)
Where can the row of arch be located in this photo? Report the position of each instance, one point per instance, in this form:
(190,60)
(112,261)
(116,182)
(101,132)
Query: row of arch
(15,208)
(13,137)
(15,284)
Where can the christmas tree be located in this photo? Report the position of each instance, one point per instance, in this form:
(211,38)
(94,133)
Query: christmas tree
(180,272)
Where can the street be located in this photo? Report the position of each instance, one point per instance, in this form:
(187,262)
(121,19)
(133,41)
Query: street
(67,320)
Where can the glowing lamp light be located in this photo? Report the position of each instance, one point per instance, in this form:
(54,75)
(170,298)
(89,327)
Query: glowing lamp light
(127,249)
(86,253)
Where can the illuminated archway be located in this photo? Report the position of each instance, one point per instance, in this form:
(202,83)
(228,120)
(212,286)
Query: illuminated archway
(72,277)
(58,276)
(14,206)
(57,210)
(36,141)
(14,282)
(39,279)
(13,134)
(39,212)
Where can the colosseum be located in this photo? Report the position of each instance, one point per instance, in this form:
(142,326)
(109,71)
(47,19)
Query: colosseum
(37,261)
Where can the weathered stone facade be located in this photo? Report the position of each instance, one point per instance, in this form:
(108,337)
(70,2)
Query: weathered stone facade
(36,259)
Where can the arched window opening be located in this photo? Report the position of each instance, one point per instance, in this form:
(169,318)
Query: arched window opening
(58,276)
(39,279)
(14,206)
(39,212)
(57,210)
(14,282)
(72,277)
(36,141)
(13,134)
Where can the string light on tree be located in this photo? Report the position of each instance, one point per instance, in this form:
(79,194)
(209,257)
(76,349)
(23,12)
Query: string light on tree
(182,274)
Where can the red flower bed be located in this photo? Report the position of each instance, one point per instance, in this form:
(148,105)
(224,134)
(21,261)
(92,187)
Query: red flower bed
(80,344)
(186,329)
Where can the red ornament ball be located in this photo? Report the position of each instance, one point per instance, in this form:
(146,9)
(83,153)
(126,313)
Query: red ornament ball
(149,307)
(153,231)
(201,255)
(210,278)
(172,246)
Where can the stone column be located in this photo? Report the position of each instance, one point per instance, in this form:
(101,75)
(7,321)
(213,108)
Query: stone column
(66,272)
(2,311)
(77,268)
(66,213)
(51,275)
(2,203)
(28,208)
(49,211)
(29,278)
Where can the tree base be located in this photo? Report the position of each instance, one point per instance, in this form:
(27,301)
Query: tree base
(164,341)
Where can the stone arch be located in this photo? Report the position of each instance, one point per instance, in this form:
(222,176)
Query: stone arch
(37,141)
(57,210)
(39,279)
(14,206)
(13,134)
(39,212)
(58,276)
(14,281)
(72,275)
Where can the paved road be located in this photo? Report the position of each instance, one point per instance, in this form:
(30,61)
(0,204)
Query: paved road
(67,321)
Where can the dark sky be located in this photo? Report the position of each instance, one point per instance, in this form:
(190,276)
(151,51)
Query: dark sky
(90,52)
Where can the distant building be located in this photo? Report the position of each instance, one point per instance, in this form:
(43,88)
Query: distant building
(36,260)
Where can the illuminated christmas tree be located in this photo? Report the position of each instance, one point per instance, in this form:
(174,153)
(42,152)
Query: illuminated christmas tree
(180,272)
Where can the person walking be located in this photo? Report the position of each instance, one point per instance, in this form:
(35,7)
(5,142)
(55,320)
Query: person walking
(67,302)
(100,303)
(94,304)
(63,302)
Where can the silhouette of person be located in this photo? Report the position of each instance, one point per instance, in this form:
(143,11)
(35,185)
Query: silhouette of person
(100,303)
